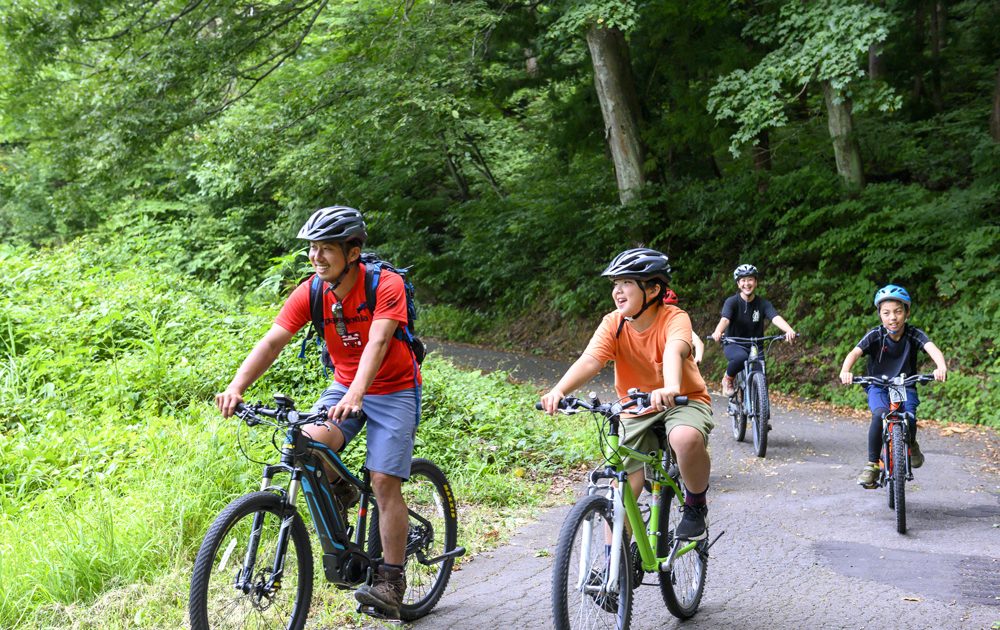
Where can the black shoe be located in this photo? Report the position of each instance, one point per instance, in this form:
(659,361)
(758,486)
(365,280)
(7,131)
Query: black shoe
(694,523)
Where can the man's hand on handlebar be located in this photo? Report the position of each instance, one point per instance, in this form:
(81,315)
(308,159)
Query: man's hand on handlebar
(227,401)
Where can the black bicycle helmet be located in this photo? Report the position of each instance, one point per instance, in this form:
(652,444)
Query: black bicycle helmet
(640,263)
(336,223)
(743,271)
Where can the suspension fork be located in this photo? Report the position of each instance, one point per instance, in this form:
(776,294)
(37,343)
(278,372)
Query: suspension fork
(244,580)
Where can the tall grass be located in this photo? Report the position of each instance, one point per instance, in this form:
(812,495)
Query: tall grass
(113,460)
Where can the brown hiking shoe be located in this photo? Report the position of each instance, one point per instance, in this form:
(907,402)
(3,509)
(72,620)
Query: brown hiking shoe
(385,593)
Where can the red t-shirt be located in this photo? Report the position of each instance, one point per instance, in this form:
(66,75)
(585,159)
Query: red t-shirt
(398,371)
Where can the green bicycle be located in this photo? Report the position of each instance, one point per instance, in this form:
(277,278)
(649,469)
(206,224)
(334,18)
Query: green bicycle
(595,568)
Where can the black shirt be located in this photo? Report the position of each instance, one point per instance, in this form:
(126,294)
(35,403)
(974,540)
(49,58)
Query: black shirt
(747,319)
(892,358)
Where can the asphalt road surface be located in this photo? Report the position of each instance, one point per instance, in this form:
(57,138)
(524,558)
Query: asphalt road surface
(804,546)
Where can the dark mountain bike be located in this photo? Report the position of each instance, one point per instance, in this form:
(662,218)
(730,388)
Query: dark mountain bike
(255,566)
(894,466)
(596,568)
(750,402)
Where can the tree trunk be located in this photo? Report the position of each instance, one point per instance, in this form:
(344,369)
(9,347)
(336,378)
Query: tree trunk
(761,153)
(845,143)
(620,108)
(876,64)
(995,113)
(938,15)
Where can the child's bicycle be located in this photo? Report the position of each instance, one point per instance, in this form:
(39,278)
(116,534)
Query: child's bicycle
(595,568)
(750,402)
(894,467)
(255,566)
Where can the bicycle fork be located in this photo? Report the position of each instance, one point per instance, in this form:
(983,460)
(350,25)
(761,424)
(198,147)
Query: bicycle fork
(613,560)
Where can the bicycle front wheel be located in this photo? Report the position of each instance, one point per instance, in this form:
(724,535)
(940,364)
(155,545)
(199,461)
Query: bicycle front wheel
(683,586)
(581,594)
(433,532)
(234,583)
(763,408)
(899,476)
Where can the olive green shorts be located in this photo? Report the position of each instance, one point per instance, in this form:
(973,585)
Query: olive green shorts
(638,436)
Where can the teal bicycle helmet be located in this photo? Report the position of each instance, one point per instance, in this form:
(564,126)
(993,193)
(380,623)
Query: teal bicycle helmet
(892,292)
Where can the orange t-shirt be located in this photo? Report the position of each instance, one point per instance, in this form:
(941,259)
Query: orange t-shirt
(638,356)
(399,370)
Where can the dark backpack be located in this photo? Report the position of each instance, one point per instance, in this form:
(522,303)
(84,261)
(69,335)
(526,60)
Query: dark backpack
(373,272)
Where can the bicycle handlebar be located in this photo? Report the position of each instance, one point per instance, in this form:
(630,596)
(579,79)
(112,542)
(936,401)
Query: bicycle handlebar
(885,381)
(727,339)
(251,414)
(571,404)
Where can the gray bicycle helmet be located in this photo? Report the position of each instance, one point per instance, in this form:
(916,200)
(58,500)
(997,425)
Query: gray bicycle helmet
(336,223)
(640,263)
(743,271)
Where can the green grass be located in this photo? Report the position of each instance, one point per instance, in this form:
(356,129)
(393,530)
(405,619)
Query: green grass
(113,459)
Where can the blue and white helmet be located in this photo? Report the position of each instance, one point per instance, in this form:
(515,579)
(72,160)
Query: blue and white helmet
(892,292)
(743,271)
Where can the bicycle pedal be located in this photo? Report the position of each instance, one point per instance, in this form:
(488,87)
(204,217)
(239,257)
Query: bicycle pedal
(378,613)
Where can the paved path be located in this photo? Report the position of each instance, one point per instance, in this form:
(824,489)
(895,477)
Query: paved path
(804,546)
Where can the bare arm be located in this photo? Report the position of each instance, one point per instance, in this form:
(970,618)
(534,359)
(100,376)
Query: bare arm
(582,370)
(941,373)
(849,360)
(699,347)
(780,322)
(379,336)
(256,363)
(721,328)
(674,354)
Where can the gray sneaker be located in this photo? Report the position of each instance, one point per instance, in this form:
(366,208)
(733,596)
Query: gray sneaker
(916,457)
(385,594)
(869,475)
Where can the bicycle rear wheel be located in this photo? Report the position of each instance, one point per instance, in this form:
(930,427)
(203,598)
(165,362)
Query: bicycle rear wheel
(738,413)
(232,585)
(433,532)
(684,585)
(763,408)
(581,596)
(899,476)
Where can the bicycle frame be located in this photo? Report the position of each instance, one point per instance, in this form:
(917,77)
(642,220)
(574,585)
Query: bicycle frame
(897,396)
(301,459)
(626,508)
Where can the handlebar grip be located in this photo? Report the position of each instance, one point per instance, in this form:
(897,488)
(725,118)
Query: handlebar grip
(538,406)
(680,400)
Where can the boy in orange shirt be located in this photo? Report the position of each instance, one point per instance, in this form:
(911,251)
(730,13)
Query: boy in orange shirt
(651,345)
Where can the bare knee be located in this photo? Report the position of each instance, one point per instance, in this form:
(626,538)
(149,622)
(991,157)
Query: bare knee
(386,487)
(687,441)
(328,434)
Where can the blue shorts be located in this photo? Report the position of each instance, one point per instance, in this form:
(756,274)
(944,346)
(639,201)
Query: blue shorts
(878,397)
(392,427)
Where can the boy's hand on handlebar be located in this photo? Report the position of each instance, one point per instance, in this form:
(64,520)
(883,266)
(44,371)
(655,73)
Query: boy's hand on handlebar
(846,378)
(940,374)
(227,401)
(550,401)
(717,336)
(790,336)
(663,398)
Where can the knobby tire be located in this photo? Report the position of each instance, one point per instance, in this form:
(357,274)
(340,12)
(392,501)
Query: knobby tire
(433,531)
(682,587)
(899,476)
(763,408)
(216,603)
(739,413)
(573,607)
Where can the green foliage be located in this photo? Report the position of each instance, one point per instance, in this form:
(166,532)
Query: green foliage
(809,43)
(110,445)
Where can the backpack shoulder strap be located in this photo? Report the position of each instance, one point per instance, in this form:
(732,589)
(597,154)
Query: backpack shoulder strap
(316,305)
(373,273)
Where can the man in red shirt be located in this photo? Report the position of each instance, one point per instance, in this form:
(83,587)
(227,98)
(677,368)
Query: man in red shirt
(374,369)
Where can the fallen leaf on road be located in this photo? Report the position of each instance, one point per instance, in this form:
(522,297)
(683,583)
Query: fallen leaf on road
(912,599)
